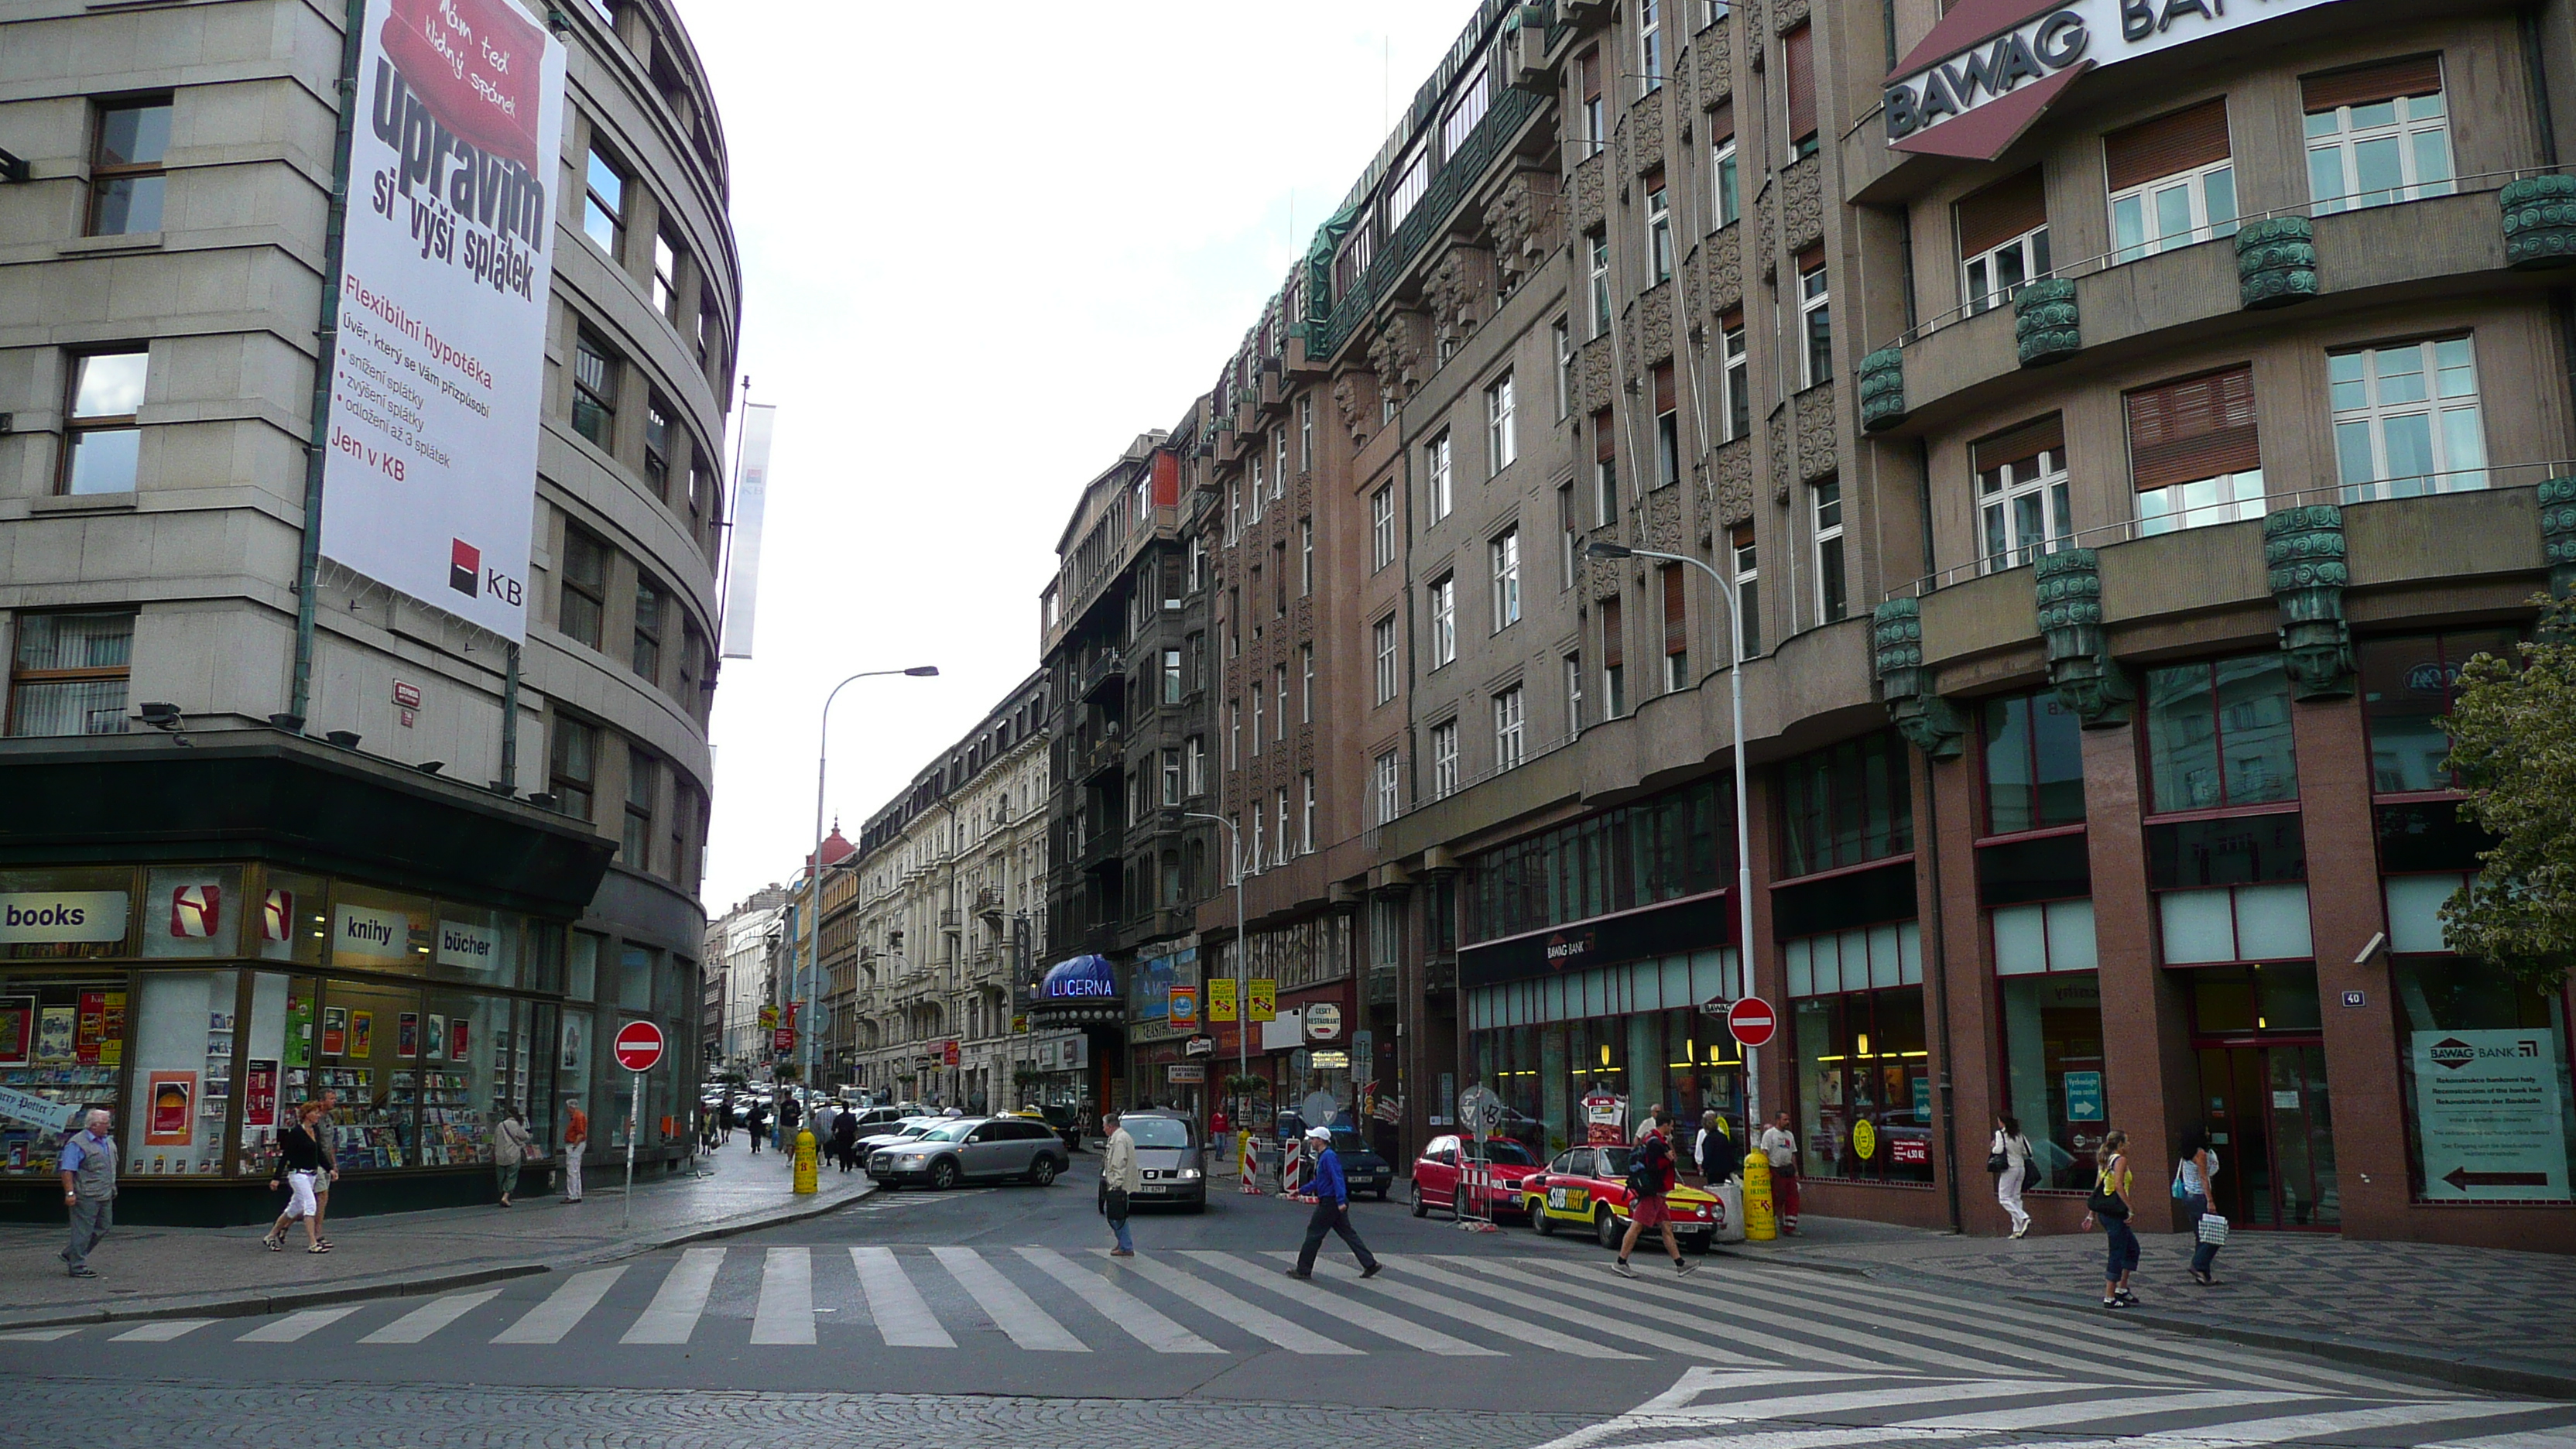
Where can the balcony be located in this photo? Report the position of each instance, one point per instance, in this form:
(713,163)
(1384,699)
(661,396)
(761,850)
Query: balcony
(1109,752)
(950,918)
(1381,986)
(1107,668)
(988,902)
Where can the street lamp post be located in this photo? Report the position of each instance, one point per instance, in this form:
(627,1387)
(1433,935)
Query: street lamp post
(1743,808)
(814,868)
(1242,947)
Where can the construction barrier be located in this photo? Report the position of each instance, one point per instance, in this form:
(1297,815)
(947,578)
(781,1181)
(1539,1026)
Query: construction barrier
(1292,1168)
(1251,1165)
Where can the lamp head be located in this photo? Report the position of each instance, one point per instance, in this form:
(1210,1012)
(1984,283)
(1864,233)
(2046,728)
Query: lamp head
(922,671)
(1603,549)
(159,716)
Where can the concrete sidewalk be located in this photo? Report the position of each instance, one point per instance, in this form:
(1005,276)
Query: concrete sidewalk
(2479,1316)
(151,1272)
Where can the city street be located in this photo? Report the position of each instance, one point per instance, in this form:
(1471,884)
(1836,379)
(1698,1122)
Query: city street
(991,1315)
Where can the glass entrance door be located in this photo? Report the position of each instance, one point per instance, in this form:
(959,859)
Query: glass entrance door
(2272,1123)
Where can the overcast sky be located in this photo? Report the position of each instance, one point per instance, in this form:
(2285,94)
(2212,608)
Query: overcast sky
(978,261)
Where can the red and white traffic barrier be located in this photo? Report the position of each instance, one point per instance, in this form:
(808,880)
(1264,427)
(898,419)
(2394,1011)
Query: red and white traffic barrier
(1250,1168)
(1292,1168)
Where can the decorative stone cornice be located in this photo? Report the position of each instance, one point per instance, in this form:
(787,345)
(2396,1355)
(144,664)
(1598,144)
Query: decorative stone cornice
(2069,588)
(1927,721)
(2045,325)
(2539,222)
(2303,551)
(1882,389)
(2276,262)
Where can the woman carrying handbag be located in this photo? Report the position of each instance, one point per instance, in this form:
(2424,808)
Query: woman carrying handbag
(2110,1203)
(2191,1186)
(2008,1158)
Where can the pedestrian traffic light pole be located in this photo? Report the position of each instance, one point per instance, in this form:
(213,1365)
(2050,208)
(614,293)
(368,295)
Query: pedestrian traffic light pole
(814,867)
(1242,947)
(1743,808)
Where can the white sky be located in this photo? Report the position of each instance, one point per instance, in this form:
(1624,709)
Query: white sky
(978,261)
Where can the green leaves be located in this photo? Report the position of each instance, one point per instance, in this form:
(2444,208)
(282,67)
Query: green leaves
(2513,746)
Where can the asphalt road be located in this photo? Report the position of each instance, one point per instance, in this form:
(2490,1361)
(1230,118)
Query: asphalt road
(991,1315)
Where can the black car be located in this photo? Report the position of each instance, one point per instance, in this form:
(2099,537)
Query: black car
(1362,1168)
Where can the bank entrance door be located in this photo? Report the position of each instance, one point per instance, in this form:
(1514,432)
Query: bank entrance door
(2272,1123)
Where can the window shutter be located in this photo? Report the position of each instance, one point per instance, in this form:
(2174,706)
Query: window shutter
(1812,259)
(2167,145)
(1676,612)
(1731,320)
(2007,209)
(1605,438)
(2193,428)
(1721,122)
(1591,68)
(1653,181)
(1798,53)
(1663,388)
(1613,647)
(2012,445)
(2419,75)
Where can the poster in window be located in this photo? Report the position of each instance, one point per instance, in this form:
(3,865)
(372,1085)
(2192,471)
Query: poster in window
(572,1032)
(2487,1114)
(259,1093)
(407,1035)
(335,1031)
(17,1029)
(362,1033)
(111,1047)
(55,1028)
(170,1099)
(437,1036)
(460,1031)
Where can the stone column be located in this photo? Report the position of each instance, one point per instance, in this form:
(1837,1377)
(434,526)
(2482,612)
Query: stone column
(2151,1079)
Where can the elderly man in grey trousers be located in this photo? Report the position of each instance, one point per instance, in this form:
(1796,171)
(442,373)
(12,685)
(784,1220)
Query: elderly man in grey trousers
(89,1189)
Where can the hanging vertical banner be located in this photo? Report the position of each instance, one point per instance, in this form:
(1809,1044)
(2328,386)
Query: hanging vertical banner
(440,374)
(750,503)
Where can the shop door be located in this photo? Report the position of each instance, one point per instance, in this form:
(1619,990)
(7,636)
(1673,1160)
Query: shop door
(2272,1124)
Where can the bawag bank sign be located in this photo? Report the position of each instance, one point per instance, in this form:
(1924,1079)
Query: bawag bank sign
(430,483)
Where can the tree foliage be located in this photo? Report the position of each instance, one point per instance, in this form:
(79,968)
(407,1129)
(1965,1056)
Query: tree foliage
(2513,747)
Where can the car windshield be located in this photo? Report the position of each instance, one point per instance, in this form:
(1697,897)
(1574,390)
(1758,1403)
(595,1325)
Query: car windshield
(1614,1162)
(1348,1142)
(954,1130)
(1506,1154)
(1157,1131)
(914,1129)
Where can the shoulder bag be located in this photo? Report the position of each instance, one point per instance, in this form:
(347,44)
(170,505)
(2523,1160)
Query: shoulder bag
(2105,1203)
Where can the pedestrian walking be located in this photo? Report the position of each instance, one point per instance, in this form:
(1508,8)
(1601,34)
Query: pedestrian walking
(299,1166)
(2192,1178)
(1650,1178)
(1780,1146)
(89,1189)
(1331,1194)
(1712,1150)
(2008,1158)
(576,1140)
(330,1173)
(511,1145)
(756,1126)
(1119,1180)
(2111,1204)
(823,1116)
(845,1140)
(789,1114)
(724,1122)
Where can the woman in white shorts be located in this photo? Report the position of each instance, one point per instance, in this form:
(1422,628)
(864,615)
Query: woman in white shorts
(299,1163)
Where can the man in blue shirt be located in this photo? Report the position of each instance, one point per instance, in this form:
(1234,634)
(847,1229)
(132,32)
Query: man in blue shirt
(1332,1199)
(89,1189)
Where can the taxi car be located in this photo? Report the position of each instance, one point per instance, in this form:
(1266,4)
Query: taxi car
(1588,1187)
(1437,1171)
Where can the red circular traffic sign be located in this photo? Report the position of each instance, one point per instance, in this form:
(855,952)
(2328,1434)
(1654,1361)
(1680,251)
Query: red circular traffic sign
(1752,1022)
(639,1046)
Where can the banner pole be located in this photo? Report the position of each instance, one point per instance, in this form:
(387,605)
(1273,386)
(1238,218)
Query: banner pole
(326,338)
(634,1128)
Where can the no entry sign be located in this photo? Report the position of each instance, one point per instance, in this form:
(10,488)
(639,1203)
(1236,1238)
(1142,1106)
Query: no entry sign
(1752,1021)
(639,1046)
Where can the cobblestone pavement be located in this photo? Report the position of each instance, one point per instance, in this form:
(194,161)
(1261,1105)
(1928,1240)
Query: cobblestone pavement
(99,1414)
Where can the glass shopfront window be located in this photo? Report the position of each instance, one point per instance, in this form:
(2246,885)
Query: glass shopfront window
(1631,1033)
(1862,1070)
(2218,734)
(182,1081)
(1845,805)
(1681,843)
(62,1039)
(378,930)
(2490,1114)
(66,915)
(2407,686)
(293,923)
(2054,1075)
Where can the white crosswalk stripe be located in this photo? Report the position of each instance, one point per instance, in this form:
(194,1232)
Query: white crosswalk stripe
(1518,1329)
(1358,1315)
(2049,1416)
(38,1335)
(556,1313)
(902,1318)
(1142,1321)
(295,1326)
(1011,1310)
(1251,1318)
(1472,1278)
(680,1301)
(161,1330)
(2532,1439)
(430,1317)
(1619,1295)
(1998,1350)
(786,1311)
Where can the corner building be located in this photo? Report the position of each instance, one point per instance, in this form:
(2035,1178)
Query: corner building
(2073,793)
(436,894)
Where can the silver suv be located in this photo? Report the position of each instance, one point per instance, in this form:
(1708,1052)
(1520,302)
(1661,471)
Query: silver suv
(964,1148)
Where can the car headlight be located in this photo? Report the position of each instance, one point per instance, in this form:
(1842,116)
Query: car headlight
(1187,1173)
(911,1159)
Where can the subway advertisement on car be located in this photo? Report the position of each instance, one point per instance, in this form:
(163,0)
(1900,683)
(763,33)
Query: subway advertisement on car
(430,480)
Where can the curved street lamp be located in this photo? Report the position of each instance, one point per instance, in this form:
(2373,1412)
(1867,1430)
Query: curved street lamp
(814,872)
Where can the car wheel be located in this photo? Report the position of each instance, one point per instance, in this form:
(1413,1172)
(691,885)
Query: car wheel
(1538,1217)
(943,1174)
(1421,1209)
(1043,1172)
(1605,1226)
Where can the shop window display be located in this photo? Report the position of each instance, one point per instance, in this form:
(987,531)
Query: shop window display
(66,915)
(182,1081)
(359,1057)
(1631,1033)
(379,930)
(292,920)
(2052,1039)
(1864,1086)
(2490,1114)
(62,1044)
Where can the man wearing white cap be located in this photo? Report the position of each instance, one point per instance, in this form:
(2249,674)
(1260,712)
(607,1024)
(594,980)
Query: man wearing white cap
(1332,1199)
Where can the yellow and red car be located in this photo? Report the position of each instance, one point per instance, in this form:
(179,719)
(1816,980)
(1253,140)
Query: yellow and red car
(1587,1187)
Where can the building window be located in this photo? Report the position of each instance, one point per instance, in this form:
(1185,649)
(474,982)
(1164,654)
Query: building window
(1171,676)
(1256,716)
(1561,338)
(1748,589)
(1600,275)
(2023,497)
(657,447)
(2003,240)
(1233,509)
(2172,182)
(1253,863)
(1505,553)
(1444,620)
(1171,777)
(642,777)
(1255,491)
(125,177)
(583,607)
(1831,602)
(572,768)
(1234,734)
(1650,44)
(1412,178)
(70,674)
(1573,694)
(1382,636)
(1596,122)
(1444,759)
(1502,445)
(666,276)
(1736,377)
(1306,433)
(1729,194)
(1305,558)
(1569,542)
(2377,134)
(1435,465)
(1464,113)
(594,391)
(1856,1006)
(1846,805)
(1382,527)
(1306,813)
(2193,454)
(1605,470)
(2406,419)
(1677,669)
(647,656)
(1306,684)
(1287,852)
(2034,764)
(1614,654)
(1195,646)
(1659,230)
(1383,781)
(1279,715)
(1815,310)
(1798,55)
(1508,720)
(1668,429)
(603,212)
(1194,767)
(2407,688)
(1279,463)
(102,448)
(2218,734)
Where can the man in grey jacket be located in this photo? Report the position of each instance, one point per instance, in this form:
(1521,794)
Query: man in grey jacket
(1118,1183)
(89,1189)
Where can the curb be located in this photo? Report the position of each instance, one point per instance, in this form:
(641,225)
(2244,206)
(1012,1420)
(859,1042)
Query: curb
(254,1304)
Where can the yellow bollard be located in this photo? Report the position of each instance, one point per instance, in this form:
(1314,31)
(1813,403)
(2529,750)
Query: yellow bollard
(808,1175)
(1761,1220)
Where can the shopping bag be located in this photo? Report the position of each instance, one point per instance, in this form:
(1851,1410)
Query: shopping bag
(2213,1229)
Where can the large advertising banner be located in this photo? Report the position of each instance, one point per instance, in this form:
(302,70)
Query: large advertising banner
(430,483)
(750,512)
(2486,1111)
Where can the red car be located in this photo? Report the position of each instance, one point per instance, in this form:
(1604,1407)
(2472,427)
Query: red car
(1502,1162)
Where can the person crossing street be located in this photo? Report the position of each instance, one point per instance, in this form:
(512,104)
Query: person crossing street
(1331,1195)
(1650,1178)
(1119,1180)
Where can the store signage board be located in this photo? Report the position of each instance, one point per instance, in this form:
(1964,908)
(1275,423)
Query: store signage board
(1323,1021)
(469,948)
(49,916)
(2486,1106)
(1182,1073)
(27,1107)
(429,483)
(1183,1007)
(1990,67)
(1752,1022)
(365,936)
(639,1046)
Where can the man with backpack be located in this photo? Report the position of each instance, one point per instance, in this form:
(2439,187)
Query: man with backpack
(1650,1177)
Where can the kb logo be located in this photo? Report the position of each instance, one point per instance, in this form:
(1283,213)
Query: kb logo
(467,576)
